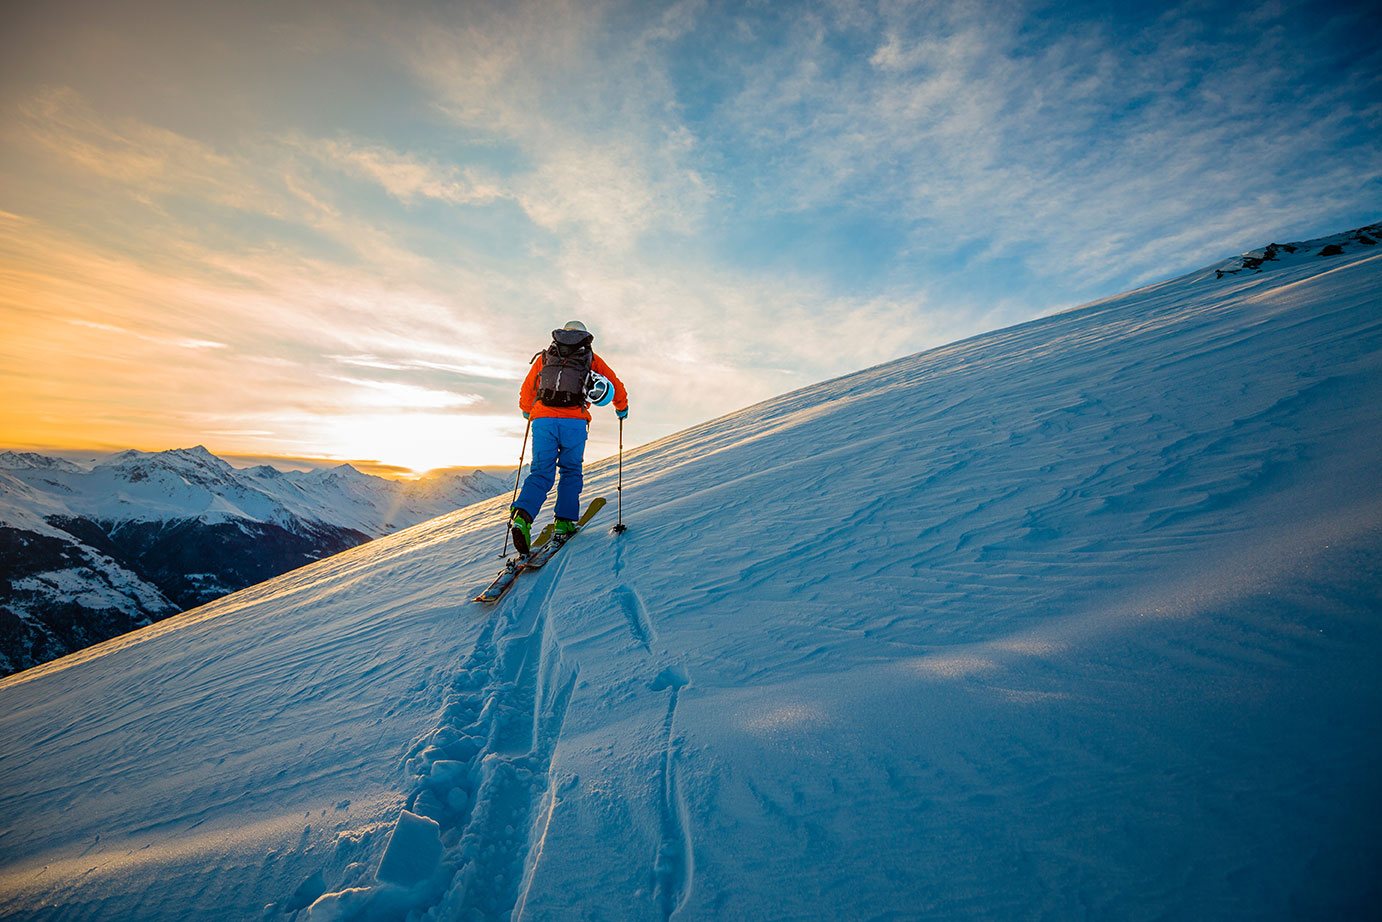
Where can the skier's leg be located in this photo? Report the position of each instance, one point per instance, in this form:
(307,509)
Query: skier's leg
(538,483)
(573,434)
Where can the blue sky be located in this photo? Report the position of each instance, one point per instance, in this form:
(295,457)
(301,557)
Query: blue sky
(340,230)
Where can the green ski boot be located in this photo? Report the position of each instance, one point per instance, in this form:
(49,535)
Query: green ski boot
(564,528)
(520,526)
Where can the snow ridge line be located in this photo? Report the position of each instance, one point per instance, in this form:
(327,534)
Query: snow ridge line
(674,867)
(549,806)
(636,613)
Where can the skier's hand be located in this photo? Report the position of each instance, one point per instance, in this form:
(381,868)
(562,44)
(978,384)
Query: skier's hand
(622,414)
(525,416)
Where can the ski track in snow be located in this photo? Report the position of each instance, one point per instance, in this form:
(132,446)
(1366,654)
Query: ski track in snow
(482,773)
(503,722)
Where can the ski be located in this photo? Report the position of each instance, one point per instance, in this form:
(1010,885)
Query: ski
(542,550)
(542,538)
(501,582)
(512,566)
(543,554)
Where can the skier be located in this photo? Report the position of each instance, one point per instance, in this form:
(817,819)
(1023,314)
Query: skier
(561,384)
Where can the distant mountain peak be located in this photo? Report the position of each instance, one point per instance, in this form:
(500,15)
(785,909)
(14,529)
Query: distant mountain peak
(346,472)
(197,454)
(195,460)
(31,461)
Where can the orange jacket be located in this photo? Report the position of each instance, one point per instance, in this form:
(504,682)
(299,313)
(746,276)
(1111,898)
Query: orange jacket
(535,409)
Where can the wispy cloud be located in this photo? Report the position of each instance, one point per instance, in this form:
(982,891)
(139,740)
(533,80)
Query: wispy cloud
(396,396)
(176,342)
(1082,151)
(409,179)
(608,160)
(132,152)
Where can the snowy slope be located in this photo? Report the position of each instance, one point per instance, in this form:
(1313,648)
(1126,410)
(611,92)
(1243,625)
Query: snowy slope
(1077,619)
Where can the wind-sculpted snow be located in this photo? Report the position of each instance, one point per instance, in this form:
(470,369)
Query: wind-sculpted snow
(1077,619)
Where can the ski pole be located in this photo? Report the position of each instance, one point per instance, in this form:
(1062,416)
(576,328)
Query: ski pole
(521,452)
(620,526)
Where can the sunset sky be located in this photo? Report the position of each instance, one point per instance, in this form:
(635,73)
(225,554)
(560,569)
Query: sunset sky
(340,230)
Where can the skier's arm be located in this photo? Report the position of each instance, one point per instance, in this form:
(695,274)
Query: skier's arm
(621,396)
(527,394)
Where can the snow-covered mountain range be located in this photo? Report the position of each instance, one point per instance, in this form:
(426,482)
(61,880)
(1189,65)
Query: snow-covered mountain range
(88,553)
(1077,619)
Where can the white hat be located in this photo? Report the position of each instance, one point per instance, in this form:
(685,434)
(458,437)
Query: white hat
(575,325)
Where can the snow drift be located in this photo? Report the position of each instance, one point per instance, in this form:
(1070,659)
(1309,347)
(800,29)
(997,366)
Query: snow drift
(1075,619)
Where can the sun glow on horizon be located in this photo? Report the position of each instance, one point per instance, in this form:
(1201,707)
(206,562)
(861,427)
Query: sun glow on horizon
(100,353)
(420,441)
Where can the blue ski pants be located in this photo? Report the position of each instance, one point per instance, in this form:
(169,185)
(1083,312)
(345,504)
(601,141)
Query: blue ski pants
(558,445)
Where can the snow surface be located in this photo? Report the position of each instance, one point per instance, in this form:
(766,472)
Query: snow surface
(1078,619)
(23,507)
(28,461)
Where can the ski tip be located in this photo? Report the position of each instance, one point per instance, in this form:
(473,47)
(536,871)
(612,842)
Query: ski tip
(595,506)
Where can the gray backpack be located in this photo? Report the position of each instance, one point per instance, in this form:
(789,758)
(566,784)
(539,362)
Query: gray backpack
(565,368)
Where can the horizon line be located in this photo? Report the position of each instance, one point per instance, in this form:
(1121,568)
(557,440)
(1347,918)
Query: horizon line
(242,461)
